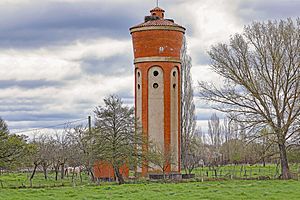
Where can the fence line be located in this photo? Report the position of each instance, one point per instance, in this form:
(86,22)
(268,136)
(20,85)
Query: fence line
(243,172)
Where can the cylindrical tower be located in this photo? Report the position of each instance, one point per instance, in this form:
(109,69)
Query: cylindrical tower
(157,43)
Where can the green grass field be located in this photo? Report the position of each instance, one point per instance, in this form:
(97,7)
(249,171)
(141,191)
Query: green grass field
(271,189)
(16,186)
(18,180)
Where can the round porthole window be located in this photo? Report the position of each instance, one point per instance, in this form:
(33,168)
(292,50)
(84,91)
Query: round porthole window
(139,74)
(174,86)
(155,85)
(139,87)
(155,73)
(174,73)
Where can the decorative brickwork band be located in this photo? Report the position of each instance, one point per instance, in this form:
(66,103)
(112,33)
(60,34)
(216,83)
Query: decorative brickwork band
(157,59)
(147,28)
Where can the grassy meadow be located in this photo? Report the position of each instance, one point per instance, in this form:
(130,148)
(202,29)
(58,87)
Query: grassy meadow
(246,189)
(16,186)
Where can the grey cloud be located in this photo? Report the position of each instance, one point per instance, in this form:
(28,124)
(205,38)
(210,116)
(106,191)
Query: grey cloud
(41,117)
(23,101)
(113,66)
(15,126)
(126,94)
(200,57)
(50,23)
(23,104)
(24,120)
(127,97)
(256,10)
(29,84)
(22,113)
(53,22)
(17,108)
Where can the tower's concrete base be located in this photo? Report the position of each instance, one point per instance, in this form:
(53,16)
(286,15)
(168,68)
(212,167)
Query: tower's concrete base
(172,176)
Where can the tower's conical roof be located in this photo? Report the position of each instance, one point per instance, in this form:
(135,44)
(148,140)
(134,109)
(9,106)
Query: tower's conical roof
(157,19)
(157,9)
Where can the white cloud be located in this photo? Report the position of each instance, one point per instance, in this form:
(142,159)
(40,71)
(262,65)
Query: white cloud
(56,63)
(63,64)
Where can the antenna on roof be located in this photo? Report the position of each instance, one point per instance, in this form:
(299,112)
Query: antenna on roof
(157,3)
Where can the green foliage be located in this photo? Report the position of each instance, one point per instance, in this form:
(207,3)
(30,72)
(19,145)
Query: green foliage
(294,155)
(116,138)
(12,147)
(114,130)
(3,127)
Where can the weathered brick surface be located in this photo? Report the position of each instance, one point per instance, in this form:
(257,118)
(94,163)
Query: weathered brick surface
(104,170)
(157,43)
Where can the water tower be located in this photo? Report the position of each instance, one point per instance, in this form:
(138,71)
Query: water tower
(156,44)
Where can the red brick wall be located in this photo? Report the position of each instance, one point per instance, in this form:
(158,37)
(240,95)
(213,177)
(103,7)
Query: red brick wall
(105,170)
(147,43)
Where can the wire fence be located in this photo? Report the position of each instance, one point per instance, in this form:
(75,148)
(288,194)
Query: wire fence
(245,172)
(22,180)
(238,172)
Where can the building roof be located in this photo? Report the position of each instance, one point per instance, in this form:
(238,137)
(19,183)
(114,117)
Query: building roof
(157,19)
(158,22)
(157,9)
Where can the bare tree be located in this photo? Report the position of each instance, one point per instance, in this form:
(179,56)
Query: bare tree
(194,156)
(40,154)
(262,81)
(188,118)
(82,141)
(158,158)
(215,131)
(61,151)
(76,160)
(265,148)
(34,156)
(45,153)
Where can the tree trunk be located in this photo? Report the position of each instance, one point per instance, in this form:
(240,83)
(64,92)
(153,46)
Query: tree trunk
(264,162)
(56,172)
(285,171)
(73,174)
(45,172)
(33,172)
(62,172)
(119,175)
(91,173)
(164,175)
(80,177)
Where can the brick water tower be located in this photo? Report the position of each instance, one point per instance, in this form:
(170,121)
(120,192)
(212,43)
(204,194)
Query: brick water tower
(157,43)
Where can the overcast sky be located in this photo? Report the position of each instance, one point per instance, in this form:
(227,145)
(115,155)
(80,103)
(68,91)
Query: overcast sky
(59,58)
